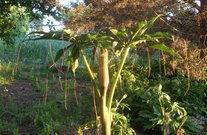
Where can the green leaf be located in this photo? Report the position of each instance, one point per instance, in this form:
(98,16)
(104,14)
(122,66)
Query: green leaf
(163,47)
(123,33)
(75,52)
(141,24)
(162,35)
(55,35)
(141,41)
(59,54)
(136,30)
(152,21)
(143,27)
(114,31)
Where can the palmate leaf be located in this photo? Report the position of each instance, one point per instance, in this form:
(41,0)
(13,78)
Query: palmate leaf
(159,35)
(55,35)
(115,35)
(76,42)
(152,21)
(135,43)
(142,27)
(163,47)
(137,30)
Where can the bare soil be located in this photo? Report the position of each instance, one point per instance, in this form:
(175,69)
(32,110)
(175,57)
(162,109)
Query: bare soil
(24,94)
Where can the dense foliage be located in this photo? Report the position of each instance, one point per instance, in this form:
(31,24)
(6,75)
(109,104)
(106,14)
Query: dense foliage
(120,67)
(14,26)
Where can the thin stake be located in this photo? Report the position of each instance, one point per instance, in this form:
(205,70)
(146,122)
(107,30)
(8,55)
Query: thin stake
(75,91)
(60,81)
(133,64)
(66,93)
(96,112)
(62,60)
(46,89)
(93,91)
(149,63)
(53,61)
(187,67)
(164,62)
(18,56)
(54,64)
(160,64)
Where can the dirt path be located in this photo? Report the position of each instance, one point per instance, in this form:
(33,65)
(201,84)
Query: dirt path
(24,94)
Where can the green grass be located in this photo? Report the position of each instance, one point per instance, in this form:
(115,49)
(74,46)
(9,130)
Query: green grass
(52,118)
(6,73)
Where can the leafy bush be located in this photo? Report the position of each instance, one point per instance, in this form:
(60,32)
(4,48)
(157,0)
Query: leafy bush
(121,123)
(145,105)
(158,110)
(14,25)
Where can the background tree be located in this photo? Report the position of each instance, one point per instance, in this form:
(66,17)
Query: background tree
(14,24)
(203,23)
(16,15)
(184,18)
(36,8)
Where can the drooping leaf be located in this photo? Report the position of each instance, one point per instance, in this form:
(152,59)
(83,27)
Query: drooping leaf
(75,52)
(55,35)
(74,66)
(59,54)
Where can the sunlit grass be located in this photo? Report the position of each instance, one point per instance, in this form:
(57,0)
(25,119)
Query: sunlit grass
(5,81)
(6,73)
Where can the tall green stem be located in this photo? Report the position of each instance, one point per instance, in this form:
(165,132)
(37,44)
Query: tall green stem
(164,130)
(115,80)
(90,72)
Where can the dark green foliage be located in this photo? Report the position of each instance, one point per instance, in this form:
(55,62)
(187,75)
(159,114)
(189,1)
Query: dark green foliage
(36,8)
(192,127)
(195,106)
(145,108)
(14,25)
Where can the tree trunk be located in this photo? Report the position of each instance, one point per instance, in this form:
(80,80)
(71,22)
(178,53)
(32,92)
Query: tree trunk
(203,24)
